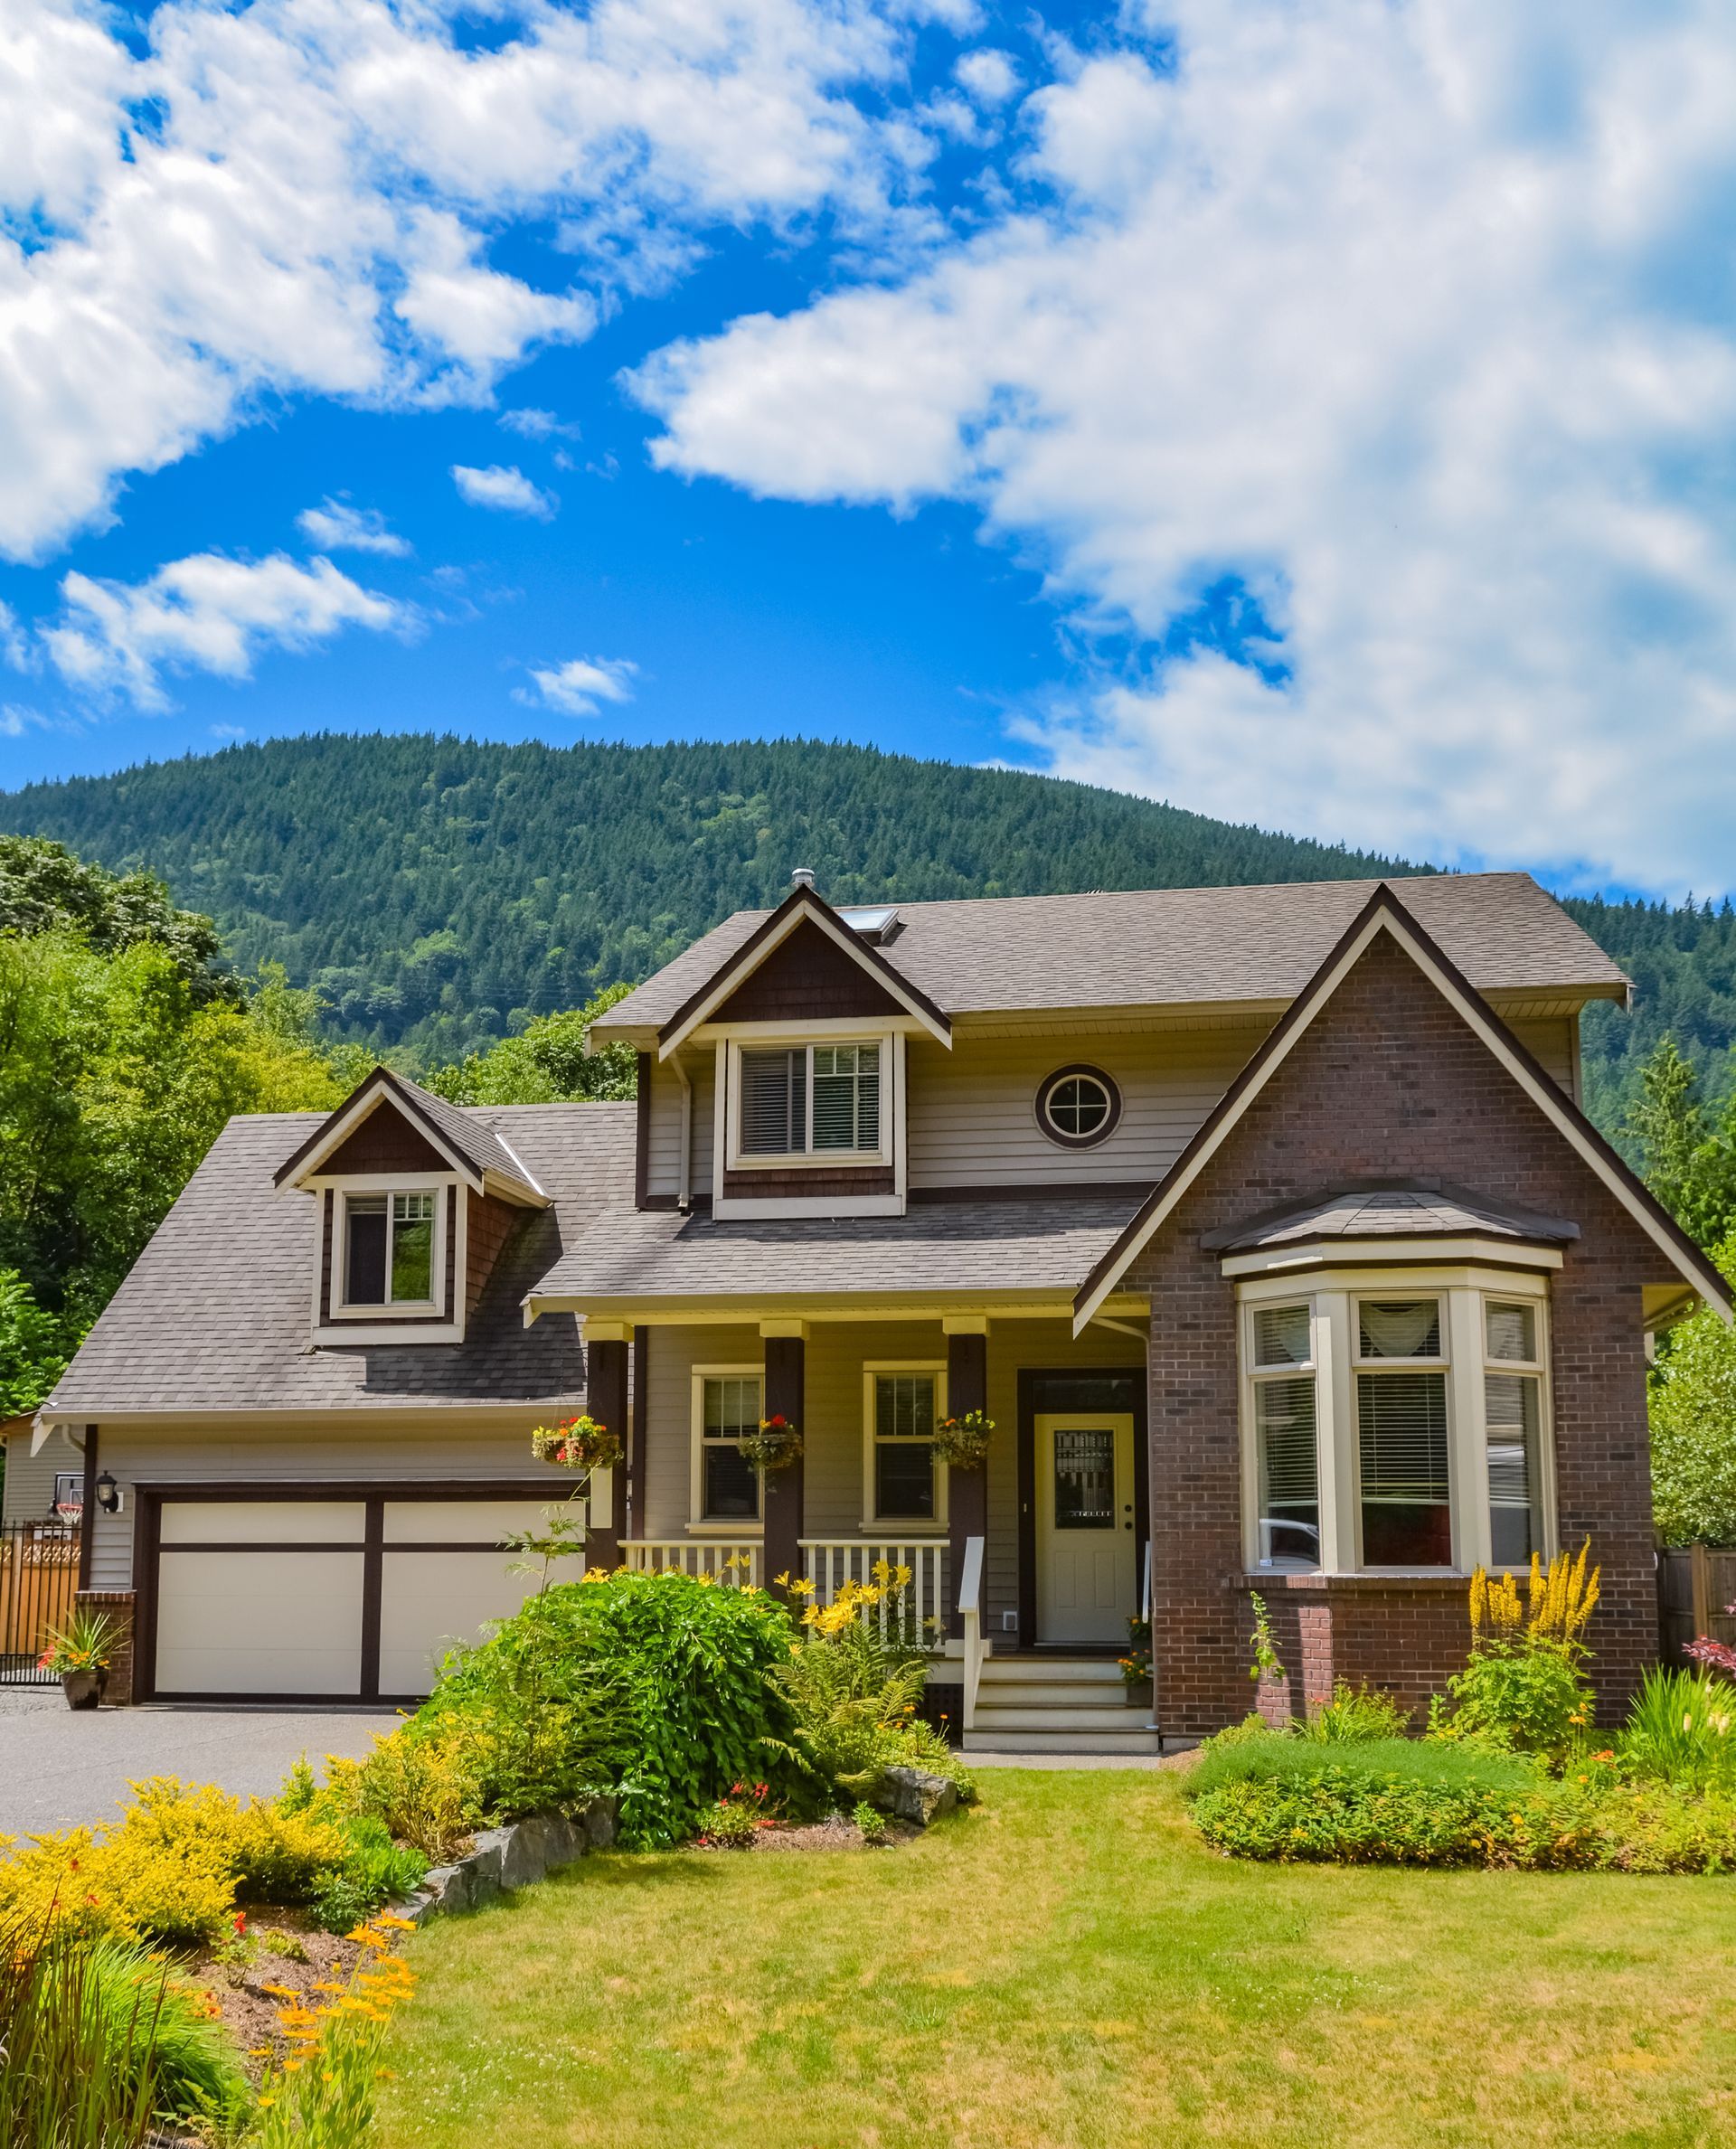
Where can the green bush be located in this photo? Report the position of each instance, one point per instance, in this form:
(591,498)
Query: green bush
(77,2065)
(1682,1730)
(1354,1716)
(375,1871)
(1520,1698)
(655,1686)
(192,2058)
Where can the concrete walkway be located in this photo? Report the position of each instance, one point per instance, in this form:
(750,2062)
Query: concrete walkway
(59,1766)
(1175,1762)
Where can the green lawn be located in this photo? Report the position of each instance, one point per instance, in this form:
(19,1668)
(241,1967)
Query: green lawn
(1069,1966)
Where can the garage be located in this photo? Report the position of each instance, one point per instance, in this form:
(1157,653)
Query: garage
(321,1592)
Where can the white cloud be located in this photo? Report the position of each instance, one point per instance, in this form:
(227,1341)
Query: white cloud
(505,487)
(538,424)
(1402,317)
(337,527)
(577,686)
(989,75)
(296,197)
(205,612)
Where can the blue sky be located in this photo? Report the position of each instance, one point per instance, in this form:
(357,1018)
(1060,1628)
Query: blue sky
(1318,415)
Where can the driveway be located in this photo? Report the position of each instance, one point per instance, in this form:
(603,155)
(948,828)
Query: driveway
(58,1767)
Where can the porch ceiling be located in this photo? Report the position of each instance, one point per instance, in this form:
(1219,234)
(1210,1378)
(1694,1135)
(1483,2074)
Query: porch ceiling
(1003,1251)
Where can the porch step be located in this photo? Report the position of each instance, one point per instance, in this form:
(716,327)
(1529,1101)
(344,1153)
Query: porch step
(1028,1669)
(1069,1716)
(1140,1739)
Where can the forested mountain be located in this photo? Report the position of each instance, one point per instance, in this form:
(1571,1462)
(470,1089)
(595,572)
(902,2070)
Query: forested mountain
(438,892)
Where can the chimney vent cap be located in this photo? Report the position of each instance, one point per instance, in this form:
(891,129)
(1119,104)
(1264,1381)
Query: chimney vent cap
(802,877)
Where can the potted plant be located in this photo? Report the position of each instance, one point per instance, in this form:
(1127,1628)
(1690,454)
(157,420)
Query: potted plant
(1135,1665)
(583,1443)
(80,1652)
(776,1443)
(962,1442)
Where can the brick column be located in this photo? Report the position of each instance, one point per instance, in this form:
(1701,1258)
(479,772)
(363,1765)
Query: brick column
(967,1490)
(781,1494)
(119,1605)
(606,1400)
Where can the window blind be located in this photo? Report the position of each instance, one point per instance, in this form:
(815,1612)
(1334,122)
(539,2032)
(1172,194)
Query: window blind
(846,1096)
(1289,1496)
(1402,1428)
(774,1103)
(1511,1414)
(1512,1331)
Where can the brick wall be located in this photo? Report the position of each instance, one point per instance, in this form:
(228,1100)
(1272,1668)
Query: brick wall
(1387,1081)
(118,1604)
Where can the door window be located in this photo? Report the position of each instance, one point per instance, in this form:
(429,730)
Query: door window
(1085,1477)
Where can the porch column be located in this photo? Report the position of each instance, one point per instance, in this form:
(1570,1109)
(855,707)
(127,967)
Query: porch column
(606,1349)
(786,1349)
(966,1337)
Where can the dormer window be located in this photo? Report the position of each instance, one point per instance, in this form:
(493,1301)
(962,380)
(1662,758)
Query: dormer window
(389,1249)
(811,1101)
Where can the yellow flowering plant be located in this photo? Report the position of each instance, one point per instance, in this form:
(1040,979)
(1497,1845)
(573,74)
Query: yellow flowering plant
(1525,1689)
(321,2094)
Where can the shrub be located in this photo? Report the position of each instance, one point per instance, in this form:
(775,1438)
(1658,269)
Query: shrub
(77,2070)
(1525,1689)
(373,1871)
(1682,1730)
(1356,1715)
(654,1685)
(871,1822)
(192,2060)
(853,1695)
(426,1786)
(732,1822)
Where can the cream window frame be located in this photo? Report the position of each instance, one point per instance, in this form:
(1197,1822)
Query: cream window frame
(811,1159)
(905,1526)
(1333,1296)
(698,1521)
(386,1188)
(1254,1377)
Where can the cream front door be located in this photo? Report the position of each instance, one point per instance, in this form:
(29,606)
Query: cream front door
(1086,1537)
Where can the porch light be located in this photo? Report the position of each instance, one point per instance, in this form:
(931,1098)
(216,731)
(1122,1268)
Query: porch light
(107,1494)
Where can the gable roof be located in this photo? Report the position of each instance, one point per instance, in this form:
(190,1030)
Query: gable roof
(213,1315)
(1383,912)
(474,1149)
(1168,948)
(800,907)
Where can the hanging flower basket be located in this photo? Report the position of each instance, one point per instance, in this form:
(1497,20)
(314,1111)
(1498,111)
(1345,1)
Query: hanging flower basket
(776,1445)
(962,1443)
(578,1444)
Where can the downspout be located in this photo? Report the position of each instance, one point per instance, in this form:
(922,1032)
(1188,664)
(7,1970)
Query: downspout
(684,1196)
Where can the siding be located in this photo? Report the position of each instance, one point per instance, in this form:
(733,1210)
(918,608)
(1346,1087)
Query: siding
(412,1449)
(1551,1044)
(30,1480)
(663,1173)
(833,1460)
(973,1110)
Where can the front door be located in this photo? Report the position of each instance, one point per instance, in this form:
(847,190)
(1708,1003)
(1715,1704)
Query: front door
(1086,1537)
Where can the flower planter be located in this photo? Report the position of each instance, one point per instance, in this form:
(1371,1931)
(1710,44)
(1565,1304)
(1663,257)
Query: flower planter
(85,1689)
(1140,1694)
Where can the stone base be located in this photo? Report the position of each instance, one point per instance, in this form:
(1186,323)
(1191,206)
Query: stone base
(516,1856)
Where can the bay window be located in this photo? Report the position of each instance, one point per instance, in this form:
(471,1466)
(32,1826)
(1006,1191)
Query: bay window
(1392,1430)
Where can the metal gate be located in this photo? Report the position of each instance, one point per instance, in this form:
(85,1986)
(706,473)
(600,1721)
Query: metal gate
(39,1580)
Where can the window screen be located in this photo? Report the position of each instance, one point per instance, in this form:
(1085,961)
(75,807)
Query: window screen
(905,1447)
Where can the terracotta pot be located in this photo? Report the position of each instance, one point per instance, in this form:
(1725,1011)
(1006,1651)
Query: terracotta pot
(84,1689)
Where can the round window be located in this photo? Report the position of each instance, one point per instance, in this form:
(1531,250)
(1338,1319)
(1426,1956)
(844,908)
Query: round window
(1078,1106)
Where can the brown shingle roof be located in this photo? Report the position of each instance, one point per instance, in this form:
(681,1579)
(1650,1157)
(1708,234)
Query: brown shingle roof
(1393,1213)
(215,1314)
(1168,946)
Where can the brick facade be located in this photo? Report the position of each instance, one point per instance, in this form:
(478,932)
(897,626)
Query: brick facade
(120,1605)
(1386,1082)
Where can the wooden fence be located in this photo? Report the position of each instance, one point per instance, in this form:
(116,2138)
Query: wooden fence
(39,1580)
(1694,1585)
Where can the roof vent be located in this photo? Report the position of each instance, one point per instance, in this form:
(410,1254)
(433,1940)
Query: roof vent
(803,877)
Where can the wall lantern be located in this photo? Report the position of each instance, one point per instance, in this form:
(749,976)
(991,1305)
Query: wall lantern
(107,1494)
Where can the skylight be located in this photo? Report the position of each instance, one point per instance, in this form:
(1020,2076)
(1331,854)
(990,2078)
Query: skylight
(872,922)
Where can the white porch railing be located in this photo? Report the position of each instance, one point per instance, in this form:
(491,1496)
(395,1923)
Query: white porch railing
(830,1562)
(970,1606)
(734,1564)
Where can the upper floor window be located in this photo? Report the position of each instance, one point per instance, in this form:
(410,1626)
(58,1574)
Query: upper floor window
(1079,1107)
(810,1100)
(389,1249)
(1428,1449)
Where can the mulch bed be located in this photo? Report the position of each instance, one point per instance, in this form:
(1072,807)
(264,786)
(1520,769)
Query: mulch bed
(249,2013)
(834,1833)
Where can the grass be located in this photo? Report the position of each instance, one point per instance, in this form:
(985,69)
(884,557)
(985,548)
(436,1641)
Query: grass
(1069,1965)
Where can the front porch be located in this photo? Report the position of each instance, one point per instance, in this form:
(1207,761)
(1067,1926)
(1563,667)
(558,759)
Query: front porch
(1036,1559)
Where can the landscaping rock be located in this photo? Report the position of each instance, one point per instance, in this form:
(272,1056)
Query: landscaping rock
(516,1856)
(484,1863)
(918,1797)
(601,1818)
(445,1889)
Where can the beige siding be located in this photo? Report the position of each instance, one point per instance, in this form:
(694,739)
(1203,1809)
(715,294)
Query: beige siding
(973,1110)
(834,1463)
(664,1146)
(414,1450)
(1551,1043)
(30,1479)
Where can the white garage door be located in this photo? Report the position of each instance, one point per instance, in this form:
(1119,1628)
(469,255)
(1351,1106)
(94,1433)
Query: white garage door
(328,1596)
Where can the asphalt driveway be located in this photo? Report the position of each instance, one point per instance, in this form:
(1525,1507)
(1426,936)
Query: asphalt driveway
(58,1767)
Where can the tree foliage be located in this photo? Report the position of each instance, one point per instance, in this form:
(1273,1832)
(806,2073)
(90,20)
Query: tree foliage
(1684,1150)
(545,1063)
(45,889)
(1694,1427)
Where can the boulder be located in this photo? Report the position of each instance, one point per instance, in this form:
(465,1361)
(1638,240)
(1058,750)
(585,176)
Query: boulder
(445,1889)
(916,1796)
(601,1819)
(484,1863)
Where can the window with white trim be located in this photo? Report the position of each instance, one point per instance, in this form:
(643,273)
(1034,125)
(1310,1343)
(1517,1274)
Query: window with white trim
(389,1249)
(726,1406)
(902,1482)
(810,1100)
(1395,1429)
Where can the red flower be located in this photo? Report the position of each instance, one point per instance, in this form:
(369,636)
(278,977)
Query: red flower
(241,1921)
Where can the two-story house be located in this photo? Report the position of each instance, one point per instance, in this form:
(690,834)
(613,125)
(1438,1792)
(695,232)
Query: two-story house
(1263,1223)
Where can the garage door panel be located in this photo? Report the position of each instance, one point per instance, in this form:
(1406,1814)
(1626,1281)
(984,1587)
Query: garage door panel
(455,1521)
(259,1623)
(429,1600)
(263,1522)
